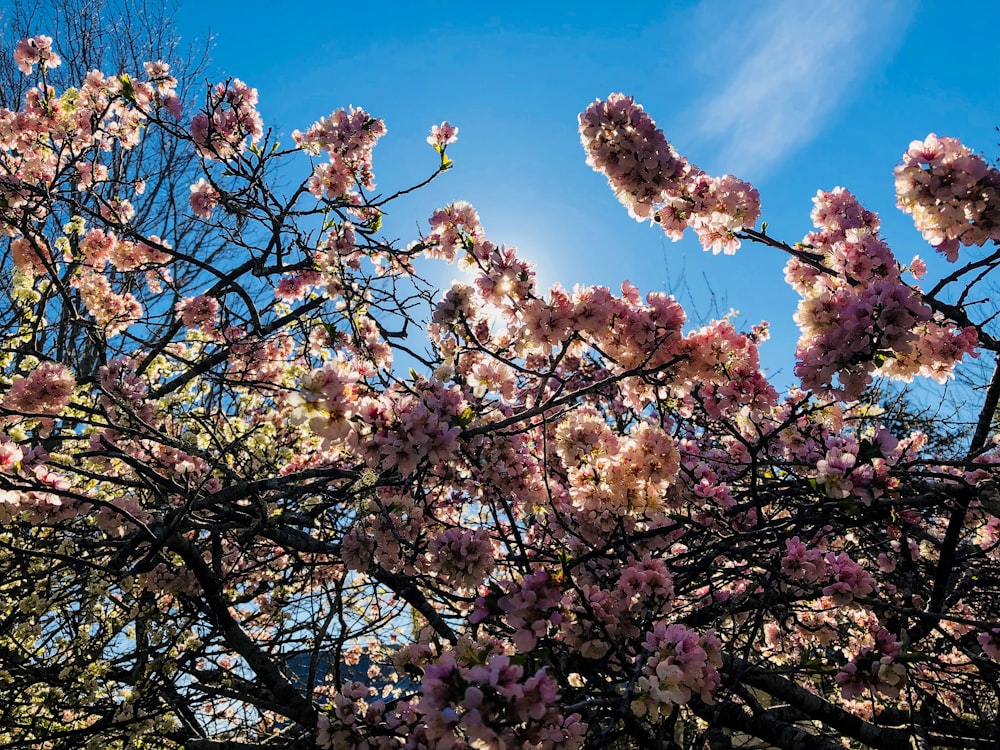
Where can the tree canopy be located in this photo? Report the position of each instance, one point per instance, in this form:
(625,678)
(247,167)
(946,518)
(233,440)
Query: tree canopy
(262,486)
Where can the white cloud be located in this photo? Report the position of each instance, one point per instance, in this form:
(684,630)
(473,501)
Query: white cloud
(779,70)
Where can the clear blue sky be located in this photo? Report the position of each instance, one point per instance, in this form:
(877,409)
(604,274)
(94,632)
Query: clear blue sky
(792,95)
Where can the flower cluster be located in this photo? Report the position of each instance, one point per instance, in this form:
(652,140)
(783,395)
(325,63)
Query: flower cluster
(850,468)
(112,311)
(608,607)
(850,580)
(680,663)
(404,429)
(494,704)
(338,251)
(198,312)
(47,503)
(856,314)
(29,255)
(346,723)
(530,607)
(123,391)
(229,117)
(46,390)
(328,398)
(386,535)
(203,198)
(874,667)
(653,182)
(442,136)
(347,137)
(454,229)
(800,563)
(620,475)
(36,50)
(462,557)
(623,143)
(847,579)
(952,194)
(722,366)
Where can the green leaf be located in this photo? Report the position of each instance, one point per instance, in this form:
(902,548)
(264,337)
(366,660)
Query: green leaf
(466,417)
(128,90)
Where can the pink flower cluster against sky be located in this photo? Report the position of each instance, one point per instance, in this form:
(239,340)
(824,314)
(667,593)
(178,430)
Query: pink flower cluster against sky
(789,96)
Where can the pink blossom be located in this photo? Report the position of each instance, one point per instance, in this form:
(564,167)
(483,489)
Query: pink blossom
(293,287)
(90,173)
(230,116)
(530,607)
(802,564)
(462,556)
(859,318)
(331,180)
(442,135)
(653,182)
(834,472)
(990,643)
(851,581)
(347,137)
(198,312)
(10,455)
(29,255)
(117,211)
(874,667)
(46,390)
(453,228)
(112,311)
(721,207)
(681,663)
(492,703)
(203,198)
(624,144)
(158,73)
(36,50)
(952,194)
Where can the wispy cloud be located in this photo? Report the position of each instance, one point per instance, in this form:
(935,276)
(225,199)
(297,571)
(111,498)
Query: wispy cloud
(778,71)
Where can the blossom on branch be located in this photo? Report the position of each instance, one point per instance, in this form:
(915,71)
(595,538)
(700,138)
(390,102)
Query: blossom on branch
(653,182)
(265,485)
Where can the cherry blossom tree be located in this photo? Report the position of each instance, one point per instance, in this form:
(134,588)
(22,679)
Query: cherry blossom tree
(298,498)
(118,36)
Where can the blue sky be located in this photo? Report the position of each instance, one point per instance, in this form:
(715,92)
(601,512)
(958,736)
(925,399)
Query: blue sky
(794,96)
